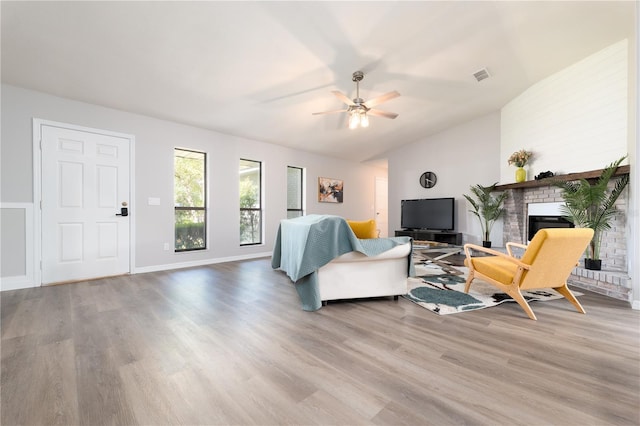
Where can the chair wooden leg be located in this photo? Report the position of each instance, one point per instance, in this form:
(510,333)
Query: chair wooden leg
(564,290)
(468,283)
(517,296)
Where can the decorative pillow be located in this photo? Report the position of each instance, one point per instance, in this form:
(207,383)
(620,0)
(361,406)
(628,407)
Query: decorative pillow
(364,229)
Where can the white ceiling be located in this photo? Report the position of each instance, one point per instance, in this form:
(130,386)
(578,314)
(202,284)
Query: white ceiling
(259,69)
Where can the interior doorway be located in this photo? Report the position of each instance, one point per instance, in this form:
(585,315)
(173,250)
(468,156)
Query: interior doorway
(382,206)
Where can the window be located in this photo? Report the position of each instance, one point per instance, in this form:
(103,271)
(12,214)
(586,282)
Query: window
(294,192)
(190,192)
(250,202)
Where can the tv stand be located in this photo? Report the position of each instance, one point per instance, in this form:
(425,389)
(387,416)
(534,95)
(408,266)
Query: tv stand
(448,237)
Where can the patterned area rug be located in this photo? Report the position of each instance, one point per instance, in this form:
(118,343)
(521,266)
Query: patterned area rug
(444,293)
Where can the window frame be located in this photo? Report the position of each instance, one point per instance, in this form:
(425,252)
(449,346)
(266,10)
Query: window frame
(259,209)
(192,208)
(301,209)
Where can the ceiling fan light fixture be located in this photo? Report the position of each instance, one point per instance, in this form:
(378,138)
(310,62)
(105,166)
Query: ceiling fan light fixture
(354,120)
(364,119)
(358,107)
(358,117)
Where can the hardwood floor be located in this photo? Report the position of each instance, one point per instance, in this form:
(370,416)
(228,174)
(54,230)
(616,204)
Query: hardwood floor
(229,344)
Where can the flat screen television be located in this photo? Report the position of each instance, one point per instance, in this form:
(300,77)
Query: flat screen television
(436,214)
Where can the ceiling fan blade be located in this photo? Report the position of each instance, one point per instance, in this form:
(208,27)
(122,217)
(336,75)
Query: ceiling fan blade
(384,114)
(380,99)
(344,98)
(329,112)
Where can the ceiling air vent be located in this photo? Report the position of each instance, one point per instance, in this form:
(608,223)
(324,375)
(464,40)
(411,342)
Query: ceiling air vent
(481,74)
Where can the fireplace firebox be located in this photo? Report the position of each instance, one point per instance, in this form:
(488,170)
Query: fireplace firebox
(539,222)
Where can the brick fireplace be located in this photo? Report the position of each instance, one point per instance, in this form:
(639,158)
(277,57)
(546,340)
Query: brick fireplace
(613,280)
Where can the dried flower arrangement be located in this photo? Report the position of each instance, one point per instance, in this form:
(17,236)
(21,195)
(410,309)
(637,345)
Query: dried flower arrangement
(520,158)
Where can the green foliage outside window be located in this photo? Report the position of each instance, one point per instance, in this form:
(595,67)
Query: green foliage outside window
(190,200)
(190,232)
(250,203)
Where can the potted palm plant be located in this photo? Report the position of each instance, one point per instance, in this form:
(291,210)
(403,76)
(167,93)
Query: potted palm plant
(486,207)
(592,205)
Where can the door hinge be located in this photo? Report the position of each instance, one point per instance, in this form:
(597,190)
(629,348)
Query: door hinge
(40,204)
(40,144)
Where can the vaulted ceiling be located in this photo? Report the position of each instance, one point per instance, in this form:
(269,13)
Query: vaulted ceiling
(260,69)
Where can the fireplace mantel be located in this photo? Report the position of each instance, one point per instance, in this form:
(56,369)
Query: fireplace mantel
(593,174)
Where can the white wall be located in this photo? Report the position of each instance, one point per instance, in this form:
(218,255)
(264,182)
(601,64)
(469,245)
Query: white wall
(155,142)
(573,121)
(461,156)
(634,152)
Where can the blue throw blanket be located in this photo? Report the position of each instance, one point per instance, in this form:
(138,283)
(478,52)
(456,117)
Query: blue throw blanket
(307,243)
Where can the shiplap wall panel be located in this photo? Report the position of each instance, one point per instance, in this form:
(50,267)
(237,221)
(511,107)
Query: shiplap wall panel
(573,121)
(17,251)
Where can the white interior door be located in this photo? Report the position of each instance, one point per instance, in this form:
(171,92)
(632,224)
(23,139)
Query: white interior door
(85,181)
(382,206)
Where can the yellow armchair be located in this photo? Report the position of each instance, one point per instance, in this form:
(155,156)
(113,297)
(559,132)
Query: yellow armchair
(547,262)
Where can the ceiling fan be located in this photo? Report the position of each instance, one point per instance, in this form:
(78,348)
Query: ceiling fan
(358,109)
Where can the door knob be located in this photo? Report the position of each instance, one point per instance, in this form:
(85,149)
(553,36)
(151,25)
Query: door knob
(124,211)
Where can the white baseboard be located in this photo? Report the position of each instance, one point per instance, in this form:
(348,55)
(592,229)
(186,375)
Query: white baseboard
(181,265)
(16,283)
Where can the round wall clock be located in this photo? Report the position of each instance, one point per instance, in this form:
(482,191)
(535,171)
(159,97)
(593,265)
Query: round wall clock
(428,180)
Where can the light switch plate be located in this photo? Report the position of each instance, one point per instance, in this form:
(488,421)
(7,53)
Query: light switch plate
(154,201)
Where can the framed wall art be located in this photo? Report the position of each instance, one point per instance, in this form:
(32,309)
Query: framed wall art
(330,190)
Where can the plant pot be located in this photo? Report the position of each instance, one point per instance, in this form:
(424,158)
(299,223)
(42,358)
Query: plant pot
(593,264)
(521,174)
(486,244)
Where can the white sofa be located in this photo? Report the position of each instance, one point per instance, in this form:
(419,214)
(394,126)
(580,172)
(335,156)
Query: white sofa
(354,275)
